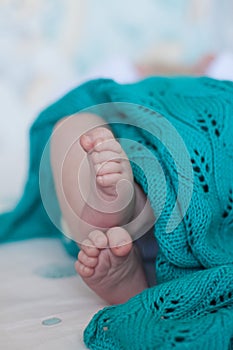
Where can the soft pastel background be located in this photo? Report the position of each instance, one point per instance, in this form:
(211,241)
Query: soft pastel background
(47,47)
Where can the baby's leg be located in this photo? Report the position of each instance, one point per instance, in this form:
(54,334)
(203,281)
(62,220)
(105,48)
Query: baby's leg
(109,263)
(88,164)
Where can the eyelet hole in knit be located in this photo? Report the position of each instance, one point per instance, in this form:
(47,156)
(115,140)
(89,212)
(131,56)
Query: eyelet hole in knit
(179,339)
(151,104)
(169,310)
(122,115)
(209,123)
(229,206)
(190,233)
(200,167)
(105,328)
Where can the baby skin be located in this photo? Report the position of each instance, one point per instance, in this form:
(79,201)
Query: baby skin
(108,261)
(111,266)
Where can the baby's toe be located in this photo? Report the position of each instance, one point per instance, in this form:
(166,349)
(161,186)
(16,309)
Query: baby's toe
(108,180)
(108,145)
(119,240)
(89,248)
(100,134)
(86,142)
(105,156)
(95,137)
(83,270)
(108,168)
(86,260)
(98,238)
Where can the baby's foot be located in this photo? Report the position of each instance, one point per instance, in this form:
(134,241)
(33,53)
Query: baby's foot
(112,185)
(110,265)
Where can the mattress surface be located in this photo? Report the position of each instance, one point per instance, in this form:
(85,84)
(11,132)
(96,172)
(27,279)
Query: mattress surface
(44,304)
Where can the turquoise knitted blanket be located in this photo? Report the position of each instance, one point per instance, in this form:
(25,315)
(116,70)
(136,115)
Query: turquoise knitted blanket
(192,305)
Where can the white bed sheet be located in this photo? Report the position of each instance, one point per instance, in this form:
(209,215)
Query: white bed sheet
(38,283)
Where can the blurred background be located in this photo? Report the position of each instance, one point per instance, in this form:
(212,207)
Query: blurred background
(50,46)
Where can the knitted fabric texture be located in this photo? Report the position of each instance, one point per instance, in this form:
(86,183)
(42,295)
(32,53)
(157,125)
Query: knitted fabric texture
(191,307)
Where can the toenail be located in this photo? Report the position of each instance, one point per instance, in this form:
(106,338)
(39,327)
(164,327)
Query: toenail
(100,240)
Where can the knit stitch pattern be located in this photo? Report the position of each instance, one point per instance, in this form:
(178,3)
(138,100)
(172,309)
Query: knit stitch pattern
(191,307)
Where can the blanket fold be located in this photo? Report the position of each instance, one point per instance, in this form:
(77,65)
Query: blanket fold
(177,134)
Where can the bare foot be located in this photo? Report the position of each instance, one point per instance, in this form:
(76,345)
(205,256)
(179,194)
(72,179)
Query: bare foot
(110,265)
(111,200)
